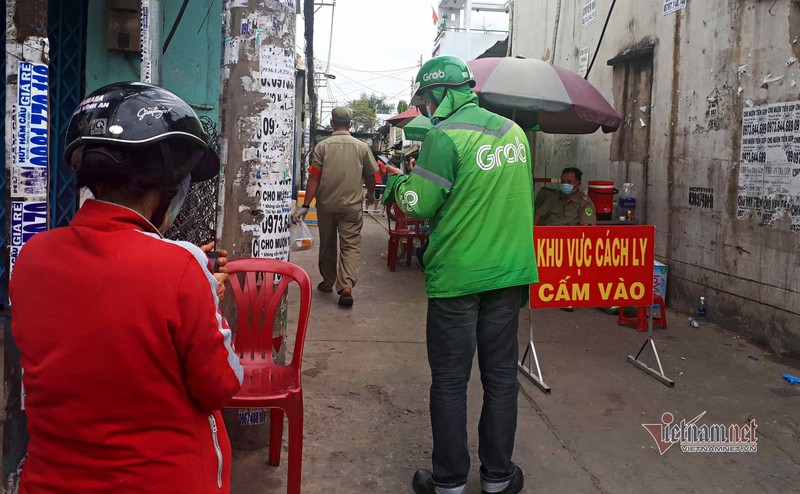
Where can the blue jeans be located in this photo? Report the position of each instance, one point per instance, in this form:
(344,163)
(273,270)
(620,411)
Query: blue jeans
(455,327)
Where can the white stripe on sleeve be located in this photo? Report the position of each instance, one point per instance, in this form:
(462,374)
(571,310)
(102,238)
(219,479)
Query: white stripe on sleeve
(202,260)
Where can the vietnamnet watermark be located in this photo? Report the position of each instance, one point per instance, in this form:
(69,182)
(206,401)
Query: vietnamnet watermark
(703,438)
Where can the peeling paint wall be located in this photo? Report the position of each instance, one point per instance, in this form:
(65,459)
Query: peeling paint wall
(190,68)
(257,138)
(26,140)
(711,60)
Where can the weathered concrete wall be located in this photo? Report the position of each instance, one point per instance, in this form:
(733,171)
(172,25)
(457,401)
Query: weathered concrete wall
(687,134)
(191,66)
(466,45)
(27,134)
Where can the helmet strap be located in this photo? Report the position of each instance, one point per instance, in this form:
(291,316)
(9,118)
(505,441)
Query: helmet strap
(101,151)
(175,204)
(160,213)
(76,159)
(173,197)
(167,193)
(167,163)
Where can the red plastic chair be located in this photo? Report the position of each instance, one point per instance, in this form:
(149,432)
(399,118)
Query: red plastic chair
(639,321)
(267,384)
(401,233)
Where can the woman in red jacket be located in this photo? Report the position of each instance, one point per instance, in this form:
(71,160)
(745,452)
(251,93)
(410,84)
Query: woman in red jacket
(126,357)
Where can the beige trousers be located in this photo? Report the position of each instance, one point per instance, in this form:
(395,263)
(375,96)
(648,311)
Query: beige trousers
(340,268)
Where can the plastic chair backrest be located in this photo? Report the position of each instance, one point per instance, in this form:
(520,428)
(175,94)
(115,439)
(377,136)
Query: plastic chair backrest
(401,220)
(257,304)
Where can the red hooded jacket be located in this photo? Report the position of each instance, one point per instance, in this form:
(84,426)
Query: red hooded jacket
(126,360)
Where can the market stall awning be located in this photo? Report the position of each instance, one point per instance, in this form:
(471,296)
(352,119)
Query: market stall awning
(400,120)
(416,129)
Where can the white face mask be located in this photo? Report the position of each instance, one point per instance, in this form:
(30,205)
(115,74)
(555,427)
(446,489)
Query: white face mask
(175,205)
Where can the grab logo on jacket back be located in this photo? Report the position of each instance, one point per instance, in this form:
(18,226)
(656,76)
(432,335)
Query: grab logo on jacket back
(489,157)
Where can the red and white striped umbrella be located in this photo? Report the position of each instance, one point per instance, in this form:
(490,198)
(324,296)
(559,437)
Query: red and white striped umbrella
(533,92)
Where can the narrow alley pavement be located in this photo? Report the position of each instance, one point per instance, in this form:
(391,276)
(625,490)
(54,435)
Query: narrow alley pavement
(366,383)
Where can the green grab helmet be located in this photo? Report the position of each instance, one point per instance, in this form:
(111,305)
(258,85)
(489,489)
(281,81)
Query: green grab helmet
(446,70)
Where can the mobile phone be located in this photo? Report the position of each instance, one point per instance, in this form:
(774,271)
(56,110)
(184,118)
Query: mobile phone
(213,257)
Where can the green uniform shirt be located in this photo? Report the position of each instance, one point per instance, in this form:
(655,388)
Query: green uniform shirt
(473,180)
(560,211)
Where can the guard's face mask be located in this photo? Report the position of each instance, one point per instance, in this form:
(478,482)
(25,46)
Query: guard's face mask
(175,205)
(566,189)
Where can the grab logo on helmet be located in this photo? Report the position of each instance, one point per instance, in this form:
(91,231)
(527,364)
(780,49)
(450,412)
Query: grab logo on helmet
(489,157)
(433,76)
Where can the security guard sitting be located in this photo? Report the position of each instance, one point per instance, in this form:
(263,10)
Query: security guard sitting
(570,207)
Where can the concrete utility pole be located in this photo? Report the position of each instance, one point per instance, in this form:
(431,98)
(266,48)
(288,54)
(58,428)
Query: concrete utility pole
(150,70)
(257,112)
(27,138)
(257,126)
(308,14)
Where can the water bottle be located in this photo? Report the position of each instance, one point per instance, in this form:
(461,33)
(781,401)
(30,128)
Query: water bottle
(627,203)
(702,310)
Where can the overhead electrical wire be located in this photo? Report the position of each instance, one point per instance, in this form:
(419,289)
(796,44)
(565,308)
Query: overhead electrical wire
(346,95)
(374,71)
(379,78)
(394,74)
(399,77)
(175,26)
(600,41)
(399,93)
(210,6)
(386,77)
(352,69)
(365,86)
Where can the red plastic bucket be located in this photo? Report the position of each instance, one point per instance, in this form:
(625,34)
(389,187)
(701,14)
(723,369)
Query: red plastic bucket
(601,192)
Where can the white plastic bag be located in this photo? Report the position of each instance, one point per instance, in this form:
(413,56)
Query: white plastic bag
(302,239)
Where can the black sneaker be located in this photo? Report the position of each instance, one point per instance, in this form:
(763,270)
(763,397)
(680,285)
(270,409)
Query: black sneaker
(515,484)
(423,482)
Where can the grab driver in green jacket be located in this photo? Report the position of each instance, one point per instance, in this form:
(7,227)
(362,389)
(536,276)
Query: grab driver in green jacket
(473,181)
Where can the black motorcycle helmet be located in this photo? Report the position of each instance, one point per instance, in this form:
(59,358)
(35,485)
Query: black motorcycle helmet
(129,115)
(126,140)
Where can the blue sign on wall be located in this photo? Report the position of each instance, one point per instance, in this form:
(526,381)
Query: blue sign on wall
(30,135)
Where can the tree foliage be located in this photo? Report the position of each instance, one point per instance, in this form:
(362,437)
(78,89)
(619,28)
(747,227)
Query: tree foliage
(364,118)
(365,110)
(402,106)
(377,102)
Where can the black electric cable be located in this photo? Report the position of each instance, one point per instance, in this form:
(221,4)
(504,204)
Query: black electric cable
(600,41)
(210,6)
(175,26)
